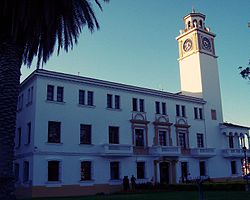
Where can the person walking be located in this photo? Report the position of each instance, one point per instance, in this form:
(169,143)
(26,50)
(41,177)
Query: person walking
(133,183)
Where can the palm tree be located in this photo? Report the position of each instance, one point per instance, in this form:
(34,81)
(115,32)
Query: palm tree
(31,28)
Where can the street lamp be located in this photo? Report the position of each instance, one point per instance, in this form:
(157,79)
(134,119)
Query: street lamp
(246,166)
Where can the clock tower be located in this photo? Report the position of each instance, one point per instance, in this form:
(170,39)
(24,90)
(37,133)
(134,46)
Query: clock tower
(198,62)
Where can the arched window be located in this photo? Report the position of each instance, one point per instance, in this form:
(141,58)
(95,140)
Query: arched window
(195,23)
(200,23)
(189,24)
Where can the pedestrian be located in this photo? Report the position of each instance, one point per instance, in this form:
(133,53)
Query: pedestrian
(133,183)
(125,183)
(189,178)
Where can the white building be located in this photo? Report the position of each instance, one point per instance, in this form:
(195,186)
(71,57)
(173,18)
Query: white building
(78,135)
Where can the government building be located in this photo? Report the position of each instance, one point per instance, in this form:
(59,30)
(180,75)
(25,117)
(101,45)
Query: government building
(77,135)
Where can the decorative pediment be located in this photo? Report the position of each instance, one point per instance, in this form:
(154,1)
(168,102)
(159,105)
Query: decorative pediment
(139,118)
(161,120)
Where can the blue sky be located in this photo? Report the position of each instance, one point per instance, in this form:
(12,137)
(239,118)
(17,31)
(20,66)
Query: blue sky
(136,45)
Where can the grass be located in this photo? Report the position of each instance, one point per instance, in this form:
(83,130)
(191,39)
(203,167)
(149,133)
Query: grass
(182,195)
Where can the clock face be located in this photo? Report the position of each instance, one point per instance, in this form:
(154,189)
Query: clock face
(206,43)
(187,45)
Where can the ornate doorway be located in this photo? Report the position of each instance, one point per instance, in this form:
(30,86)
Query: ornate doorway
(164,173)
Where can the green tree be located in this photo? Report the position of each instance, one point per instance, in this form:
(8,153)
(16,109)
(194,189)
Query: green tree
(32,28)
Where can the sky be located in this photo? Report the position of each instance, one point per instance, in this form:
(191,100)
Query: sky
(136,45)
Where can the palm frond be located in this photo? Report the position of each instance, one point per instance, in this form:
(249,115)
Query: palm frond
(38,25)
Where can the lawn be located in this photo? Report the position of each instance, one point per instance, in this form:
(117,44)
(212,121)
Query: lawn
(209,195)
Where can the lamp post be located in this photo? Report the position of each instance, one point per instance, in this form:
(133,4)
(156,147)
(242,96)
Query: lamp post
(246,166)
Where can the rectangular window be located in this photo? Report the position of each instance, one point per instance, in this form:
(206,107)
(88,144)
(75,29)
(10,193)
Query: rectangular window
(114,170)
(195,112)
(85,134)
(200,140)
(50,92)
(183,111)
(139,138)
(53,170)
(141,105)
(182,140)
(200,113)
(109,101)
(177,110)
(233,167)
(164,110)
(117,102)
(163,138)
(202,168)
(19,137)
(30,95)
(20,102)
(231,141)
(54,132)
(213,114)
(140,170)
(16,171)
(90,98)
(81,97)
(28,132)
(59,97)
(134,104)
(157,107)
(113,135)
(25,171)
(85,171)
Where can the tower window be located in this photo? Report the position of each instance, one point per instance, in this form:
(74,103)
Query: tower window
(195,23)
(200,23)
(213,114)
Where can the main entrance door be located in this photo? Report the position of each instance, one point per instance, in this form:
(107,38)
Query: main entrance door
(164,172)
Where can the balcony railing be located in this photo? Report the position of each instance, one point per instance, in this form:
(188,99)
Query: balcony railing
(202,152)
(116,150)
(233,152)
(165,151)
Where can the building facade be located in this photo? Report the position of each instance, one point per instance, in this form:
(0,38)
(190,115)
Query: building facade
(77,135)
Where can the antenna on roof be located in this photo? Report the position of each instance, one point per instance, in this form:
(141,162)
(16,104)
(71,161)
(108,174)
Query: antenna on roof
(78,73)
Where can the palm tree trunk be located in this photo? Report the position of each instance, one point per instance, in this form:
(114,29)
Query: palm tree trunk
(10,64)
